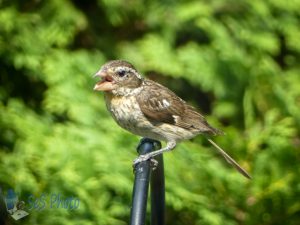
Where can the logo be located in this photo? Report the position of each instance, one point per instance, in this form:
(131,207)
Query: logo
(13,206)
(53,200)
(16,208)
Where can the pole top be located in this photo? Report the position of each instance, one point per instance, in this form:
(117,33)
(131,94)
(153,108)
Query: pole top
(147,145)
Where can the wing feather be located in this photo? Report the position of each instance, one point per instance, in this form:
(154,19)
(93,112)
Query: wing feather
(159,104)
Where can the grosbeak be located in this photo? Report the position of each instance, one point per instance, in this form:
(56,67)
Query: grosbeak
(148,109)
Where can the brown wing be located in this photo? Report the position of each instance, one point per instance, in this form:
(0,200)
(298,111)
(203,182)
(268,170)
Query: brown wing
(159,104)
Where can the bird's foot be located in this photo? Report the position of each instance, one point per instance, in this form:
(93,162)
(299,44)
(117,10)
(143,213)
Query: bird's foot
(143,158)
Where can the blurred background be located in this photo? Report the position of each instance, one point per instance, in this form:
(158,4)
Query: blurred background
(235,61)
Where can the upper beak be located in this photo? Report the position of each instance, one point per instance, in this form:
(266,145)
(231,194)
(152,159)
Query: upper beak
(100,73)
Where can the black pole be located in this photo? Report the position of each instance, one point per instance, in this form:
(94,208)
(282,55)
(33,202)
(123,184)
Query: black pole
(141,183)
(158,193)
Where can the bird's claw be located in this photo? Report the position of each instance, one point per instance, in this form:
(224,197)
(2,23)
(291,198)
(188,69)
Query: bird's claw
(143,158)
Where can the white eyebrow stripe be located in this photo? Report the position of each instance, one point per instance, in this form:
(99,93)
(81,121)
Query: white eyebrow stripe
(131,70)
(135,72)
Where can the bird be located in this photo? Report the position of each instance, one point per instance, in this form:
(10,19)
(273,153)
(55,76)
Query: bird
(149,109)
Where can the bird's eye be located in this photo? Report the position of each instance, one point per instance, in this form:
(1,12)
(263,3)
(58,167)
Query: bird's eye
(121,72)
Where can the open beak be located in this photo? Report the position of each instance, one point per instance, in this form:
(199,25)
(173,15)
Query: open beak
(105,84)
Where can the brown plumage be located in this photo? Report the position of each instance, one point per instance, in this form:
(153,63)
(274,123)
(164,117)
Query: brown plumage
(158,103)
(151,110)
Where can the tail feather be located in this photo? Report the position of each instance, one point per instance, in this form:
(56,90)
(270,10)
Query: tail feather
(230,160)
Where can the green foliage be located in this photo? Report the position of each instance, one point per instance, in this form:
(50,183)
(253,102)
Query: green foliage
(235,60)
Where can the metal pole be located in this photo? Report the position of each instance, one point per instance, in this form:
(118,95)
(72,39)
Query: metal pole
(141,184)
(158,193)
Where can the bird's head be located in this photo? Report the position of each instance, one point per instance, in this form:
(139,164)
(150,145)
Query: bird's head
(118,77)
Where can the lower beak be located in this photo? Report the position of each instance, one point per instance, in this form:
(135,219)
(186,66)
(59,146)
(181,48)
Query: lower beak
(104,84)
